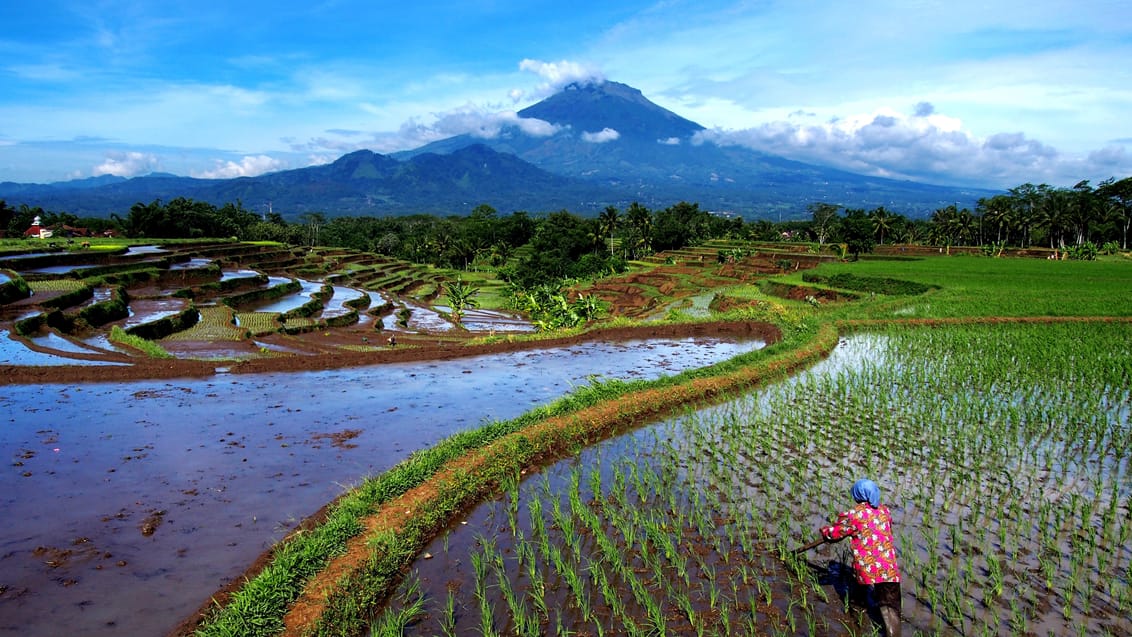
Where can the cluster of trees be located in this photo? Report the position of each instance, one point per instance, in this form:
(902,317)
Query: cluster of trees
(563,244)
(1024,216)
(549,247)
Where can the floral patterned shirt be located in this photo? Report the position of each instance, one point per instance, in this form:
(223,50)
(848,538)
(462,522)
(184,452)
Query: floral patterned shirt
(870,530)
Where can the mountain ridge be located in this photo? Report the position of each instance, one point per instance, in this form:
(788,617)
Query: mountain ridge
(603,143)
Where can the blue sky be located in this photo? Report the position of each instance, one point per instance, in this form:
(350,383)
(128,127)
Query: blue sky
(954,92)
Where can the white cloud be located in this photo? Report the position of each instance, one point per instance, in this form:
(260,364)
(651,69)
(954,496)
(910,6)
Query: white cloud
(126,164)
(671,141)
(555,75)
(249,166)
(925,146)
(602,136)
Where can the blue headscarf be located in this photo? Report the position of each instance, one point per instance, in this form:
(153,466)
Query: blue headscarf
(866,490)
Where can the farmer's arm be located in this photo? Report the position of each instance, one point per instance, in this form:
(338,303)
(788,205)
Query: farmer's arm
(839,530)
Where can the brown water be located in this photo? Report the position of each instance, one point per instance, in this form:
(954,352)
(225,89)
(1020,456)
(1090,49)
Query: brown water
(126,505)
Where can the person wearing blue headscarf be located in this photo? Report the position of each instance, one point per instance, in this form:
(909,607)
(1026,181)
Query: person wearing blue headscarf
(865,490)
(869,527)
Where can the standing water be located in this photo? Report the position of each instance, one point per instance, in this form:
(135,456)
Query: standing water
(126,505)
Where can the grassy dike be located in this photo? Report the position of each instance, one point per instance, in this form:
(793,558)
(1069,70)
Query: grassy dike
(329,579)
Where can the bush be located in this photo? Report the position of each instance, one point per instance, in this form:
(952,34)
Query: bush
(1085,252)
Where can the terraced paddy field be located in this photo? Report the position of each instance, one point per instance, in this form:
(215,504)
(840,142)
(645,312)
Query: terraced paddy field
(988,396)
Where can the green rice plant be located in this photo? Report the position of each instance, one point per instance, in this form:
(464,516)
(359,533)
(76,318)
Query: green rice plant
(216,324)
(258,323)
(394,624)
(147,347)
(448,618)
(55,285)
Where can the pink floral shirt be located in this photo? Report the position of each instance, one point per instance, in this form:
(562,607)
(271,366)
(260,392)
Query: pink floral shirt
(870,530)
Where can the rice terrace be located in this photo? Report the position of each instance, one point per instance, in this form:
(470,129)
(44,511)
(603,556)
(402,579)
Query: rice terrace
(649,471)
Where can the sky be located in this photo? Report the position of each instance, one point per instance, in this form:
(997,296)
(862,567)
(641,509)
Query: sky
(958,92)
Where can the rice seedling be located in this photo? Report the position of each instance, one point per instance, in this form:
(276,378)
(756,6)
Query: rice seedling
(217,323)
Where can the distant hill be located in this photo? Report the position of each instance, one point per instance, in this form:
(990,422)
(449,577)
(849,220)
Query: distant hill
(611,146)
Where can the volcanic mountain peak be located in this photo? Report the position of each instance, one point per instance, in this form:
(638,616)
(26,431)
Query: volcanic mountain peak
(594,107)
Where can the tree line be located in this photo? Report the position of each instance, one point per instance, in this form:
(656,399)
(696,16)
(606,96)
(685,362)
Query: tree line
(531,248)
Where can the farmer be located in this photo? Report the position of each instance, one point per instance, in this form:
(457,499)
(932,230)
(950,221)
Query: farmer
(869,525)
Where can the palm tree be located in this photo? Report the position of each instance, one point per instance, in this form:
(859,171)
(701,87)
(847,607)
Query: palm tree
(1084,209)
(996,212)
(609,220)
(965,223)
(640,219)
(944,226)
(882,222)
(1120,194)
(1053,215)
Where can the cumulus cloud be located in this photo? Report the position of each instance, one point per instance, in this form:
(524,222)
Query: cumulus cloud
(671,141)
(483,124)
(924,146)
(248,166)
(600,137)
(555,75)
(126,164)
(469,120)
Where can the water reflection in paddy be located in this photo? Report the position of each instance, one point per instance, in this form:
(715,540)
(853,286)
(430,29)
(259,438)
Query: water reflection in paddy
(16,352)
(146,496)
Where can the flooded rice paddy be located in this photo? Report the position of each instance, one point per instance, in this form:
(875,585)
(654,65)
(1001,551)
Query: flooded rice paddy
(1010,481)
(126,505)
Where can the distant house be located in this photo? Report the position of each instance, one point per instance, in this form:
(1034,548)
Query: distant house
(38,231)
(72,231)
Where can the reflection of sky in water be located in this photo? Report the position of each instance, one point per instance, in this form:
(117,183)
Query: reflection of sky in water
(52,340)
(334,305)
(191,264)
(14,352)
(488,320)
(145,250)
(102,341)
(421,319)
(238,274)
(138,319)
(288,302)
(4,278)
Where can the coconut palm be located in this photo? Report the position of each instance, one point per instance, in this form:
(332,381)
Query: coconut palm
(882,222)
(609,219)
